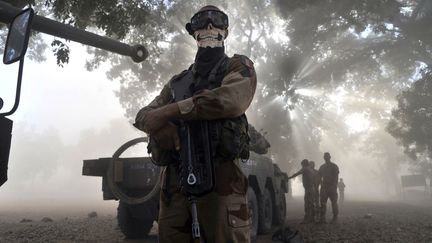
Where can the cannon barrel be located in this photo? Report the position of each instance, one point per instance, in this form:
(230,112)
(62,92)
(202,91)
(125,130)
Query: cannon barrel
(138,53)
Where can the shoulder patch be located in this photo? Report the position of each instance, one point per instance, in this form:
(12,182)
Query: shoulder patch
(244,60)
(247,62)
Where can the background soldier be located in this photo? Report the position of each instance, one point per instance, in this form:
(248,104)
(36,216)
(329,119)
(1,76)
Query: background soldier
(341,187)
(329,173)
(236,76)
(317,182)
(308,184)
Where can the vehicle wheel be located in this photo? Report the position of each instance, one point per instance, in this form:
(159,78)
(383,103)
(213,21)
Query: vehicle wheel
(265,212)
(132,228)
(253,209)
(280,213)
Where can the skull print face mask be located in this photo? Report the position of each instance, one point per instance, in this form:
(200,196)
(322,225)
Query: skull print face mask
(210,37)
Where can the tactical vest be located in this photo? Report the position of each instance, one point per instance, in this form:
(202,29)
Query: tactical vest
(230,138)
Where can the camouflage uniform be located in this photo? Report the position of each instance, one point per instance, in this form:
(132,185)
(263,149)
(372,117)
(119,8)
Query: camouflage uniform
(341,186)
(329,173)
(317,182)
(309,196)
(223,213)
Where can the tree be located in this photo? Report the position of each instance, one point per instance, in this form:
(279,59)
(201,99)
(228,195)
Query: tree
(411,122)
(318,61)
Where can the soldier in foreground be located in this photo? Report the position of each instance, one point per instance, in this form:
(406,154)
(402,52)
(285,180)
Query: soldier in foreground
(222,89)
(308,184)
(329,173)
(317,182)
(341,187)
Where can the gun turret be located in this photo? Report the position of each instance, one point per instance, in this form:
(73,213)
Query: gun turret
(138,53)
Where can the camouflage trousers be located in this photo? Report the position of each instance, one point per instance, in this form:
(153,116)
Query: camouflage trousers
(325,194)
(223,214)
(309,205)
(316,202)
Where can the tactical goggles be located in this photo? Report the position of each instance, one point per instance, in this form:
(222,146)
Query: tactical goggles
(201,19)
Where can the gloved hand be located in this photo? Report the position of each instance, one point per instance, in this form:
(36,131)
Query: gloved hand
(153,120)
(167,137)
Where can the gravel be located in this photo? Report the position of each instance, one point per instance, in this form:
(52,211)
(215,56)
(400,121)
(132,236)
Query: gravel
(373,222)
(388,222)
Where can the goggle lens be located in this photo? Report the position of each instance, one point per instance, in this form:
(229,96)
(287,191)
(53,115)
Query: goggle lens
(217,18)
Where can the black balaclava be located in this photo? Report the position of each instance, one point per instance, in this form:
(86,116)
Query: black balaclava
(206,58)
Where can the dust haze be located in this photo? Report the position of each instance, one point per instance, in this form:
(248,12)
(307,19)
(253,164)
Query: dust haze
(326,84)
(45,172)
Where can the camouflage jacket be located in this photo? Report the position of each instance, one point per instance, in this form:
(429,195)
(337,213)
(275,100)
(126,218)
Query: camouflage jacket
(229,100)
(308,177)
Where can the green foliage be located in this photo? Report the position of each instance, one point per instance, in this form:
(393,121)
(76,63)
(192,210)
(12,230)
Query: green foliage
(411,121)
(368,48)
(61,51)
(114,17)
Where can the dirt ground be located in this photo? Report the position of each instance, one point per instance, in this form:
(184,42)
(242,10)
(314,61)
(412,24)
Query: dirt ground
(371,222)
(359,222)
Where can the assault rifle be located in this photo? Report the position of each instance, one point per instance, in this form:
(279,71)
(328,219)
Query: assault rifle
(196,165)
(197,151)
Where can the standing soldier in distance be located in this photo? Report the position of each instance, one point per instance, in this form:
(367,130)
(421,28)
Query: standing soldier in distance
(308,184)
(329,173)
(223,213)
(341,187)
(317,182)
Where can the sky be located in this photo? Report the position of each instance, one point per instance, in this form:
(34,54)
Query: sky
(64,98)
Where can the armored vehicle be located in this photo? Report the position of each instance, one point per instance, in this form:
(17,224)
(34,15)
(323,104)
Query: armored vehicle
(135,183)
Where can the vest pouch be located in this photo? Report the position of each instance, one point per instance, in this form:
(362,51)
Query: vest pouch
(234,139)
(159,156)
(244,138)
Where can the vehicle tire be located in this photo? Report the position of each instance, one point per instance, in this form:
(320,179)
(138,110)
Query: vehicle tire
(132,228)
(280,212)
(265,212)
(253,209)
